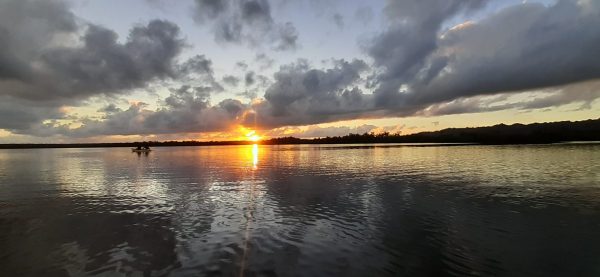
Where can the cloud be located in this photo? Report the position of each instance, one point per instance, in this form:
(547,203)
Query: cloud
(243,66)
(50,59)
(231,80)
(423,70)
(36,64)
(19,115)
(364,15)
(210,9)
(301,95)
(245,21)
(102,65)
(186,110)
(523,47)
(402,49)
(338,19)
(288,37)
(198,69)
(316,131)
(249,78)
(264,61)
(582,94)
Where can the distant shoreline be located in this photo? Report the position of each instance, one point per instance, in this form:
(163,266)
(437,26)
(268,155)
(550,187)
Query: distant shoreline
(516,134)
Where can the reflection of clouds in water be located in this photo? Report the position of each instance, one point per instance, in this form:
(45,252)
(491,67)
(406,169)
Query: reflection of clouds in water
(339,210)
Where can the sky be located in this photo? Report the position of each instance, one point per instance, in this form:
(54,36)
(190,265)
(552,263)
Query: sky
(114,70)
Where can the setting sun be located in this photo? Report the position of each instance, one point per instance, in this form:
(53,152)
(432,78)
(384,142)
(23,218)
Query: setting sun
(252,136)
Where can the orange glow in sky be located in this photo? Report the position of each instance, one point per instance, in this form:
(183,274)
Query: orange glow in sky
(250,134)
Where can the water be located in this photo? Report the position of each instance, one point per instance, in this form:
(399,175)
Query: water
(302,211)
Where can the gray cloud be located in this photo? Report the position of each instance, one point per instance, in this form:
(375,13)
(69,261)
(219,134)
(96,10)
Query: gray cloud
(102,65)
(250,78)
(231,80)
(423,70)
(25,27)
(19,115)
(581,94)
(50,59)
(198,69)
(402,50)
(315,131)
(264,61)
(36,66)
(288,37)
(186,110)
(338,19)
(301,95)
(241,65)
(526,46)
(364,15)
(245,21)
(210,9)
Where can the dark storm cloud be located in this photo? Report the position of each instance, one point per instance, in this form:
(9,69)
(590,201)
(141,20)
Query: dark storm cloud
(39,70)
(301,95)
(424,69)
(526,46)
(18,115)
(102,65)
(50,59)
(582,95)
(402,50)
(549,46)
(245,21)
(25,27)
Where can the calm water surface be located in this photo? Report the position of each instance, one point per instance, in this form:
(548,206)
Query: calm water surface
(302,211)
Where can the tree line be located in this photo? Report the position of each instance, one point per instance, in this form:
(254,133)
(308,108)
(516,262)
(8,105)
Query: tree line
(552,132)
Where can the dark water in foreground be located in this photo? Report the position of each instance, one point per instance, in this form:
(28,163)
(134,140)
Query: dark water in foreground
(302,211)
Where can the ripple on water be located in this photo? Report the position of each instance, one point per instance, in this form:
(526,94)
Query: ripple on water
(302,210)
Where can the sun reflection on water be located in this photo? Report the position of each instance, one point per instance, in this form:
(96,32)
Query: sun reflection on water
(254,156)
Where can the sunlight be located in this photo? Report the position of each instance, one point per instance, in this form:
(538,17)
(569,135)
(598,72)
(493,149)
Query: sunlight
(252,136)
(254,156)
